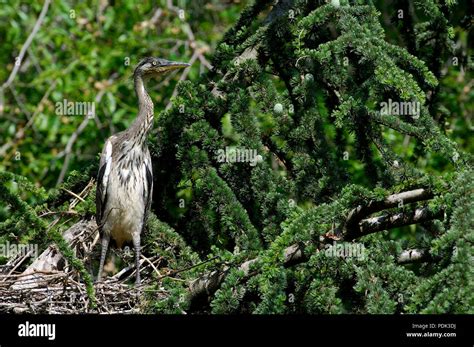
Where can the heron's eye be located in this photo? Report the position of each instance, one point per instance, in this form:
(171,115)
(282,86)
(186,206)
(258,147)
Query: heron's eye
(154,63)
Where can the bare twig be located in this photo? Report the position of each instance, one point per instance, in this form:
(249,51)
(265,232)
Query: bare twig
(68,150)
(198,50)
(182,78)
(391,201)
(172,273)
(21,132)
(27,43)
(151,264)
(26,256)
(395,220)
(73,194)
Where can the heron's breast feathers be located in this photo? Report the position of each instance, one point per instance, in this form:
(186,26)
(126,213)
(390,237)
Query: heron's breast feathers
(123,188)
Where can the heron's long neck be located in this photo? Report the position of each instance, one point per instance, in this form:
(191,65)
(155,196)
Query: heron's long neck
(144,121)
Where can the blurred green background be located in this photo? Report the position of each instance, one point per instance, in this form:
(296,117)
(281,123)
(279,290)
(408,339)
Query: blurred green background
(86,52)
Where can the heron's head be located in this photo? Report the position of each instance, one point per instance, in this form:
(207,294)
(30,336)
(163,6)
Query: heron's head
(151,66)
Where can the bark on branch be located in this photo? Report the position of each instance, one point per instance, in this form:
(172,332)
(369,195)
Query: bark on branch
(205,286)
(394,220)
(394,200)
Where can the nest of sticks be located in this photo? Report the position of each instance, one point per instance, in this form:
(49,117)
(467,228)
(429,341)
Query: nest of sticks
(50,285)
(46,283)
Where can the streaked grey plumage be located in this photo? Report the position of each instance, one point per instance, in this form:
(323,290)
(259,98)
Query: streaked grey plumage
(125,179)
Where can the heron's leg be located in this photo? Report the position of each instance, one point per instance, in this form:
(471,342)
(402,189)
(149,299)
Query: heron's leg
(105,246)
(136,245)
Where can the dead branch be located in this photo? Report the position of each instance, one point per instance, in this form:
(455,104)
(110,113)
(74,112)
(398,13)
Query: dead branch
(51,259)
(68,150)
(394,200)
(395,220)
(206,285)
(25,46)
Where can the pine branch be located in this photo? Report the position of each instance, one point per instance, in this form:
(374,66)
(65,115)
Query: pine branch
(391,201)
(205,286)
(395,220)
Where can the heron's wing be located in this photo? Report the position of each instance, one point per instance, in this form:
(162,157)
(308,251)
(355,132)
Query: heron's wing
(148,185)
(102,182)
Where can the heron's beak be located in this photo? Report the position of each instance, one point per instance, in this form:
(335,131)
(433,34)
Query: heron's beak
(173,65)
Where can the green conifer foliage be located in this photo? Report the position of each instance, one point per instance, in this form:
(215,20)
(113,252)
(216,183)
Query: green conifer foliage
(303,85)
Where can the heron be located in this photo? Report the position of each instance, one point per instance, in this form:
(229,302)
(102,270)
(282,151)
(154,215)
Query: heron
(125,177)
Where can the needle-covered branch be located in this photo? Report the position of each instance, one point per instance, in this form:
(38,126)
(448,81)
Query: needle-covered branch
(206,285)
(391,201)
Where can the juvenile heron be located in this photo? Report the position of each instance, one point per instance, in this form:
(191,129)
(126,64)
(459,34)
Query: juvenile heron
(125,179)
